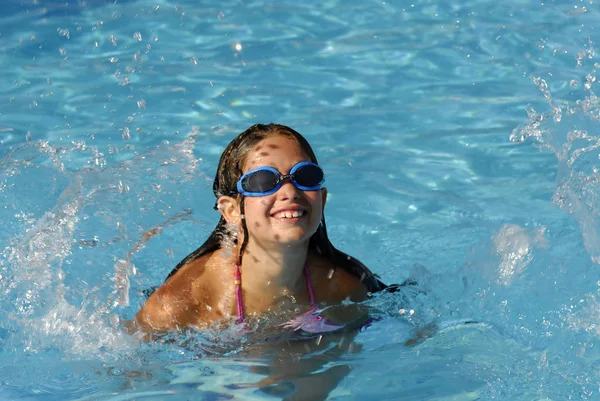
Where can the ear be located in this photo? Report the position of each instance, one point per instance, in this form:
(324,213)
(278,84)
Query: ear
(324,196)
(230,209)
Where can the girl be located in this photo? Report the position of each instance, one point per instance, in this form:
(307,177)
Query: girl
(269,250)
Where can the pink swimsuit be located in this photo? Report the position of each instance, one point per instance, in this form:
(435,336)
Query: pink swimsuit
(309,322)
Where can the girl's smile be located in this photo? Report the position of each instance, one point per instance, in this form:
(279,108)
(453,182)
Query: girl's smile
(289,214)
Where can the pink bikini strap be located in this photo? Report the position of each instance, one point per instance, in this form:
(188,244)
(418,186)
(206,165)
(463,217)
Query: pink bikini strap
(237,279)
(311,294)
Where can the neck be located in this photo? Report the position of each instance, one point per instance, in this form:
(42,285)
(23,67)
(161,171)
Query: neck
(270,274)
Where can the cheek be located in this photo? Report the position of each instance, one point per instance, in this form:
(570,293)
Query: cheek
(256,204)
(255,211)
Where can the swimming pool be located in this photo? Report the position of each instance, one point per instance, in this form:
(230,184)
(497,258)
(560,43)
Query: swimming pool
(460,145)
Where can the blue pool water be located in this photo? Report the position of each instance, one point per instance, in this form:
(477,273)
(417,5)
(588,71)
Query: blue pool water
(460,141)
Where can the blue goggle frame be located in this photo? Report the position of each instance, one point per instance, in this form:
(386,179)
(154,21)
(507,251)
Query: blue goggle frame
(266,180)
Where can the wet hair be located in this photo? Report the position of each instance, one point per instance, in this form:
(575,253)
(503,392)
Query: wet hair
(230,170)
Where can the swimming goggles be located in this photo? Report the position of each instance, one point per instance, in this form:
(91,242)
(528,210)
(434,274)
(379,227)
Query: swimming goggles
(265,180)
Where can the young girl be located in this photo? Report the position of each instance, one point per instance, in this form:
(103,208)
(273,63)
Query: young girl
(269,251)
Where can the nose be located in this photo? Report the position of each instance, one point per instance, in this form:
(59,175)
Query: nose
(288,190)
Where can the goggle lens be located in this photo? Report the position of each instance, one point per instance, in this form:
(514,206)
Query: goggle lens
(309,175)
(260,181)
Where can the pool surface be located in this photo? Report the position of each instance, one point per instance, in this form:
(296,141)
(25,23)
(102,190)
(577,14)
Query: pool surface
(460,141)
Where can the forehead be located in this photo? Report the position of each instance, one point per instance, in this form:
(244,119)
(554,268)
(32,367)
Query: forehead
(277,151)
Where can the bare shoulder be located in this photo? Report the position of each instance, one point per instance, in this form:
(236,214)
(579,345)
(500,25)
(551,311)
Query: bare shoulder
(159,312)
(337,283)
(181,300)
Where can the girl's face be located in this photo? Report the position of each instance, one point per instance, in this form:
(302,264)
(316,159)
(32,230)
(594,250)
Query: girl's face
(289,216)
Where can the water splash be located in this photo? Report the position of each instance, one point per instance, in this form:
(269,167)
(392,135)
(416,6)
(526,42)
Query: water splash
(513,244)
(569,131)
(124,268)
(40,254)
(560,316)
(61,281)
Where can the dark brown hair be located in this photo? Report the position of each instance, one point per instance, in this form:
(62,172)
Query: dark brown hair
(229,172)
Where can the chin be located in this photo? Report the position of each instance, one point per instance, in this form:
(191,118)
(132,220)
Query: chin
(291,238)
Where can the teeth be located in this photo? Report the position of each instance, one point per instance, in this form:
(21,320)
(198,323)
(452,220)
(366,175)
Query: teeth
(289,215)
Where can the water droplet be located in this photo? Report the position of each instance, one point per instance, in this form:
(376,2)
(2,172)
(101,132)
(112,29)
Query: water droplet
(123,188)
(116,371)
(64,33)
